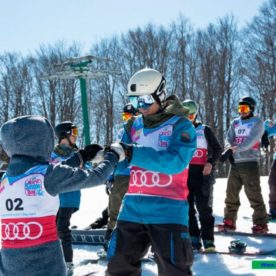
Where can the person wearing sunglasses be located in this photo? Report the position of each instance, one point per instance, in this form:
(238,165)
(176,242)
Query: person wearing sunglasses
(200,182)
(158,146)
(67,134)
(243,141)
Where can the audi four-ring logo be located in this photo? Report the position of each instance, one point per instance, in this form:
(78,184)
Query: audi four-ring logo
(149,179)
(198,153)
(21,231)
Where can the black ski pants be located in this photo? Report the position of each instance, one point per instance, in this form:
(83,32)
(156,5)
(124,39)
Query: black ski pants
(130,242)
(200,200)
(63,225)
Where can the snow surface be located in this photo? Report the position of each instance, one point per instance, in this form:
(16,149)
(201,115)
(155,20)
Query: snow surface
(94,200)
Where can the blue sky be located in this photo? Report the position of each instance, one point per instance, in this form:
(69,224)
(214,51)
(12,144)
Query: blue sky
(25,24)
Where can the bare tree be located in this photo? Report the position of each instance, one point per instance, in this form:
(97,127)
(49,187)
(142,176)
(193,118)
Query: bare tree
(183,58)
(16,86)
(59,100)
(260,58)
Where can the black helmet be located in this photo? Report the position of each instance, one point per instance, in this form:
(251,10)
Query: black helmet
(129,108)
(65,129)
(248,101)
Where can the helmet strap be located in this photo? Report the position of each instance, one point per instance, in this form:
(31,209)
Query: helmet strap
(159,94)
(68,140)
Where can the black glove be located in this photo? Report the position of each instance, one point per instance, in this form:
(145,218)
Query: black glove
(128,148)
(227,154)
(89,152)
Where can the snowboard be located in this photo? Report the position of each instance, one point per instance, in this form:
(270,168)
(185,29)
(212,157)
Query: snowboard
(246,253)
(92,237)
(247,234)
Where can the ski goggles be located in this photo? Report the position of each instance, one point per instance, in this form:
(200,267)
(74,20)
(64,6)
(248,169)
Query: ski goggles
(126,116)
(74,131)
(243,108)
(143,102)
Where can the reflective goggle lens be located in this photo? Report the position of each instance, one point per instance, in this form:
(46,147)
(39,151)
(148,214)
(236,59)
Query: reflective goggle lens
(143,102)
(74,131)
(191,117)
(243,109)
(126,116)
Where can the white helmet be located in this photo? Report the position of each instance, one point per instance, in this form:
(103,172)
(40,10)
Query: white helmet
(148,82)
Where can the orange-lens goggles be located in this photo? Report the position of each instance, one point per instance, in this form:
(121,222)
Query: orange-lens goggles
(243,108)
(191,117)
(74,131)
(126,116)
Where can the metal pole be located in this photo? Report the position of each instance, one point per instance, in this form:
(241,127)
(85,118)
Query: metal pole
(86,128)
(80,68)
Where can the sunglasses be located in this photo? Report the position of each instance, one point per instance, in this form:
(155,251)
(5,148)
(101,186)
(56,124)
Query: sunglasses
(126,116)
(191,117)
(143,102)
(243,108)
(74,131)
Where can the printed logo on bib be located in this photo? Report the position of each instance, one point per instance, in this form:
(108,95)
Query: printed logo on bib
(158,184)
(31,230)
(149,179)
(199,153)
(33,187)
(164,138)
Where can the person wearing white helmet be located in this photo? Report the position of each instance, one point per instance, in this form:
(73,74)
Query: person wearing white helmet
(158,146)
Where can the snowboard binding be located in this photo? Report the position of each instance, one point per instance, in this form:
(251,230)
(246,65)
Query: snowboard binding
(237,247)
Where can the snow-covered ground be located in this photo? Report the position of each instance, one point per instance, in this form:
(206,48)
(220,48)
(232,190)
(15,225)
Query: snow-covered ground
(94,200)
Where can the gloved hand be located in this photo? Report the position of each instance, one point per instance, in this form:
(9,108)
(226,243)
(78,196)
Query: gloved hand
(99,157)
(128,148)
(90,152)
(117,148)
(225,155)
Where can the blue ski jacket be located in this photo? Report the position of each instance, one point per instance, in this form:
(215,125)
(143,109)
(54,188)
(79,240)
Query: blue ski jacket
(179,137)
(70,199)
